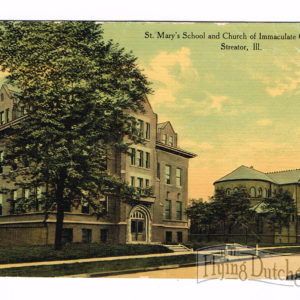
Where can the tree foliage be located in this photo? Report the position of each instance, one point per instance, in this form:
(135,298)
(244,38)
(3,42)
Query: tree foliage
(228,211)
(279,208)
(79,91)
(222,213)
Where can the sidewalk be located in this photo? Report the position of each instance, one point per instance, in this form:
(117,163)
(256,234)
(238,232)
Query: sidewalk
(84,260)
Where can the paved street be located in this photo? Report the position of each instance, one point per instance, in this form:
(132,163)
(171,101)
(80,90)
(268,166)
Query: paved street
(179,273)
(277,268)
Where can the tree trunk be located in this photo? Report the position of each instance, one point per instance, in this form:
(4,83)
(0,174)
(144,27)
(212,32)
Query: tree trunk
(59,215)
(59,225)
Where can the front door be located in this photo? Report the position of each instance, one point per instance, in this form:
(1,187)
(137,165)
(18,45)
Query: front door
(138,233)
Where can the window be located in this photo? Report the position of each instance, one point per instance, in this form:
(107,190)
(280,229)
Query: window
(235,190)
(7,115)
(228,192)
(148,131)
(86,235)
(252,192)
(26,193)
(168,209)
(141,128)
(147,160)
(165,139)
(104,203)
(178,210)
(260,192)
(1,203)
(266,193)
(147,182)
(168,174)
(158,171)
(38,194)
(293,218)
(2,97)
(67,235)
(15,112)
(171,141)
(140,182)
(132,156)
(1,161)
(103,235)
(178,176)
(85,208)
(140,158)
(14,196)
(132,181)
(1,117)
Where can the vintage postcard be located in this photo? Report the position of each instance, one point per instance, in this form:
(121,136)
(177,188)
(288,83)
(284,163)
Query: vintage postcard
(150,149)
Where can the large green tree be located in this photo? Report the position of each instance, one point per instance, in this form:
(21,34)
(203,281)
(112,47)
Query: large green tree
(222,213)
(78,90)
(278,209)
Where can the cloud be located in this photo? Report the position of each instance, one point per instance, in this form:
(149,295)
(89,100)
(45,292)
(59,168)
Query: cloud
(170,71)
(264,122)
(216,104)
(274,91)
(288,83)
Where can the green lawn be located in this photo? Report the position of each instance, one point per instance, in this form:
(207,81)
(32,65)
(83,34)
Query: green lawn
(294,250)
(18,254)
(134,264)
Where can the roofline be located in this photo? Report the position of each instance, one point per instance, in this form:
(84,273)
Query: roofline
(175,150)
(11,123)
(244,179)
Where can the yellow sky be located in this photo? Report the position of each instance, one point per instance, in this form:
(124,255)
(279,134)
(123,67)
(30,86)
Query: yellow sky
(231,107)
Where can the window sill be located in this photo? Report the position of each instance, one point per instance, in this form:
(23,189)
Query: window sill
(176,221)
(143,168)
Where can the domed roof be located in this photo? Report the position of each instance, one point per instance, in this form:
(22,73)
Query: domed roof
(245,173)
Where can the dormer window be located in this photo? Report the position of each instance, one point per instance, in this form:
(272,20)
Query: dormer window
(171,141)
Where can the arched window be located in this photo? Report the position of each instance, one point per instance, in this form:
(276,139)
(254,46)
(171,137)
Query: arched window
(252,191)
(260,192)
(235,190)
(266,193)
(228,192)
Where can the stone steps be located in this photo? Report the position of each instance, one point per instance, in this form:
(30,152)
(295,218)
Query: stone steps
(178,248)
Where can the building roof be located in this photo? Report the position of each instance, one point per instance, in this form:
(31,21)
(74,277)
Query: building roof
(174,150)
(162,125)
(4,81)
(245,173)
(285,177)
(260,208)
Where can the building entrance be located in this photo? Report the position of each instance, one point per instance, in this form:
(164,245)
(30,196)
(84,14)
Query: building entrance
(139,225)
(138,233)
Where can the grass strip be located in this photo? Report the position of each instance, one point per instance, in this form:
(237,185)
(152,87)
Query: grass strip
(96,267)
